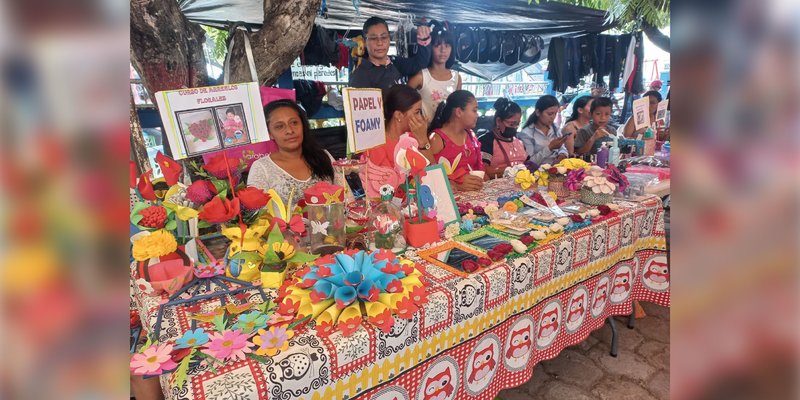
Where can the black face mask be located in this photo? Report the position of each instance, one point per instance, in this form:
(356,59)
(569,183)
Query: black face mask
(509,132)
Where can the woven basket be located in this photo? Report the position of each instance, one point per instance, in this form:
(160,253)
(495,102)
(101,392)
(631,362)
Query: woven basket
(595,199)
(558,186)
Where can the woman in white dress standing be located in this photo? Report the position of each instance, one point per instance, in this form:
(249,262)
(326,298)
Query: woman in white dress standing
(437,81)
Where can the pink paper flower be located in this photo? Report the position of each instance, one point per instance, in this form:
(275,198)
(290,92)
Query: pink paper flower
(614,175)
(154,360)
(575,179)
(228,345)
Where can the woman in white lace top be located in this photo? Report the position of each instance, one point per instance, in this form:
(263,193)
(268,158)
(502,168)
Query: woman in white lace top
(299,161)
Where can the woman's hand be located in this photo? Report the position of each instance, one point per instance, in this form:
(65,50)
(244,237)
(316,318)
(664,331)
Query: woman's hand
(470,183)
(419,127)
(557,142)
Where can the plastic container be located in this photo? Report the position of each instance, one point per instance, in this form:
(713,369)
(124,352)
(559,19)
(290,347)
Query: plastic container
(327,223)
(386,227)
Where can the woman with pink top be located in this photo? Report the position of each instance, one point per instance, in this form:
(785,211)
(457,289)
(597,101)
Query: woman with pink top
(453,143)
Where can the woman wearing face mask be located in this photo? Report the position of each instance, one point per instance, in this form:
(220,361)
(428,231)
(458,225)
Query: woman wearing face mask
(437,81)
(500,147)
(541,137)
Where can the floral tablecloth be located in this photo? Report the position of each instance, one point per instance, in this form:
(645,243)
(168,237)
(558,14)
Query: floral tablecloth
(477,334)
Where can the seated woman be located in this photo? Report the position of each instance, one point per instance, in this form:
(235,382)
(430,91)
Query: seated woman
(402,108)
(454,144)
(542,140)
(500,147)
(437,81)
(299,161)
(630,130)
(581,116)
(589,138)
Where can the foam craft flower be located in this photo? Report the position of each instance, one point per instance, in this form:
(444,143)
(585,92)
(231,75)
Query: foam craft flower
(250,322)
(154,217)
(524,179)
(448,167)
(144,286)
(176,200)
(539,235)
(156,244)
(561,170)
(200,192)
(272,341)
(197,337)
(518,246)
(279,319)
(169,167)
(153,360)
(145,186)
(541,177)
(219,167)
(594,212)
(599,184)
(452,230)
(252,198)
(563,221)
(573,163)
(381,317)
(228,345)
(284,250)
(617,177)
(555,227)
(338,291)
(219,210)
(575,179)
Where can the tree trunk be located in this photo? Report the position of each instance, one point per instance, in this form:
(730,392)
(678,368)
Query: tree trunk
(287,27)
(656,36)
(166,49)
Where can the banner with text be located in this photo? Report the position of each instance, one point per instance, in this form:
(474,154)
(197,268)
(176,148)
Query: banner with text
(363,112)
(213,118)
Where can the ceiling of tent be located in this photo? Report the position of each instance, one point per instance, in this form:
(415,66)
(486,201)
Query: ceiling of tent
(547,19)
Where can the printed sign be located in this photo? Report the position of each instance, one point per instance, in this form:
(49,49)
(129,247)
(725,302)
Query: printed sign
(641,113)
(661,111)
(206,119)
(363,111)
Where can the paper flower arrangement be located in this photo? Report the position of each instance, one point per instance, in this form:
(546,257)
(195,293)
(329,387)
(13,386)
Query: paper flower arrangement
(343,290)
(597,181)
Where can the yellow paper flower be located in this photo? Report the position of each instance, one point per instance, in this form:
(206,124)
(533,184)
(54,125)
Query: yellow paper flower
(283,250)
(156,244)
(573,163)
(524,179)
(252,237)
(541,177)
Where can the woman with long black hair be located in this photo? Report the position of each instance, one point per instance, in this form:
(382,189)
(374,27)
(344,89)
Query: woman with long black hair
(581,116)
(541,137)
(299,161)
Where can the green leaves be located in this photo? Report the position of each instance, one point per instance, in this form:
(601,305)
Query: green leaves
(628,13)
(219,322)
(250,256)
(183,368)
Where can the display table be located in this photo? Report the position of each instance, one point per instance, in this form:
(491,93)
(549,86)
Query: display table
(478,333)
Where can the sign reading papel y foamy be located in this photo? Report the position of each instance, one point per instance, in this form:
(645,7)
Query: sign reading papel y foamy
(363,111)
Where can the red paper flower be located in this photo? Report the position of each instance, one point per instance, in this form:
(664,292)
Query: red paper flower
(494,255)
(484,261)
(526,240)
(349,326)
(406,308)
(324,260)
(419,295)
(146,187)
(305,270)
(135,320)
(504,248)
(170,168)
(407,269)
(179,354)
(219,211)
(199,192)
(469,265)
(153,217)
(604,209)
(283,291)
(323,271)
(218,166)
(576,218)
(552,170)
(384,254)
(324,329)
(288,307)
(394,286)
(317,297)
(252,198)
(383,321)
(391,268)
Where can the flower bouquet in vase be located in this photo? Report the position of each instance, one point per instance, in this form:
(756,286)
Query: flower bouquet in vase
(420,224)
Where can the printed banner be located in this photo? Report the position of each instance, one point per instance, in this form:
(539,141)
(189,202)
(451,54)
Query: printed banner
(363,111)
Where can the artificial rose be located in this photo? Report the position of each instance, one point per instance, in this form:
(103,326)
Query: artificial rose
(604,209)
(527,239)
(219,166)
(199,192)
(614,175)
(575,179)
(252,198)
(218,211)
(154,217)
(469,265)
(484,261)
(552,170)
(576,218)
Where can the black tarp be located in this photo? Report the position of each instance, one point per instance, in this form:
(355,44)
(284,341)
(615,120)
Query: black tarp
(547,19)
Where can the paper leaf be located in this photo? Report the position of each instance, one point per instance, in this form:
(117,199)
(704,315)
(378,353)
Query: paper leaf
(219,184)
(183,368)
(275,235)
(203,224)
(246,256)
(303,257)
(171,225)
(259,358)
(219,323)
(298,322)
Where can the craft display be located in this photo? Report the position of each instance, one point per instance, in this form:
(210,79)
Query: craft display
(597,186)
(386,224)
(343,290)
(325,208)
(552,176)
(420,224)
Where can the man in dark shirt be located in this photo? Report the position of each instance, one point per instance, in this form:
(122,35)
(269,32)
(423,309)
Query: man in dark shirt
(378,69)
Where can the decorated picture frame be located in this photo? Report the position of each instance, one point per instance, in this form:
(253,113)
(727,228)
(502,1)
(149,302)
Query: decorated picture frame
(450,253)
(484,239)
(446,209)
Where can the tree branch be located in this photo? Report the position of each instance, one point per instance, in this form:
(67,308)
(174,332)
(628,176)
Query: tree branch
(656,36)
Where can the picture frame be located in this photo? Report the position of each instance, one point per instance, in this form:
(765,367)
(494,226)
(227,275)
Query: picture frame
(483,239)
(450,255)
(446,208)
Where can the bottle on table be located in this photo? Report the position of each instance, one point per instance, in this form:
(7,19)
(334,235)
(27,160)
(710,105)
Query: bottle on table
(613,152)
(649,142)
(602,156)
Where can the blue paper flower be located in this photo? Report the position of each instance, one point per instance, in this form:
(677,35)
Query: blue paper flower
(197,337)
(251,322)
